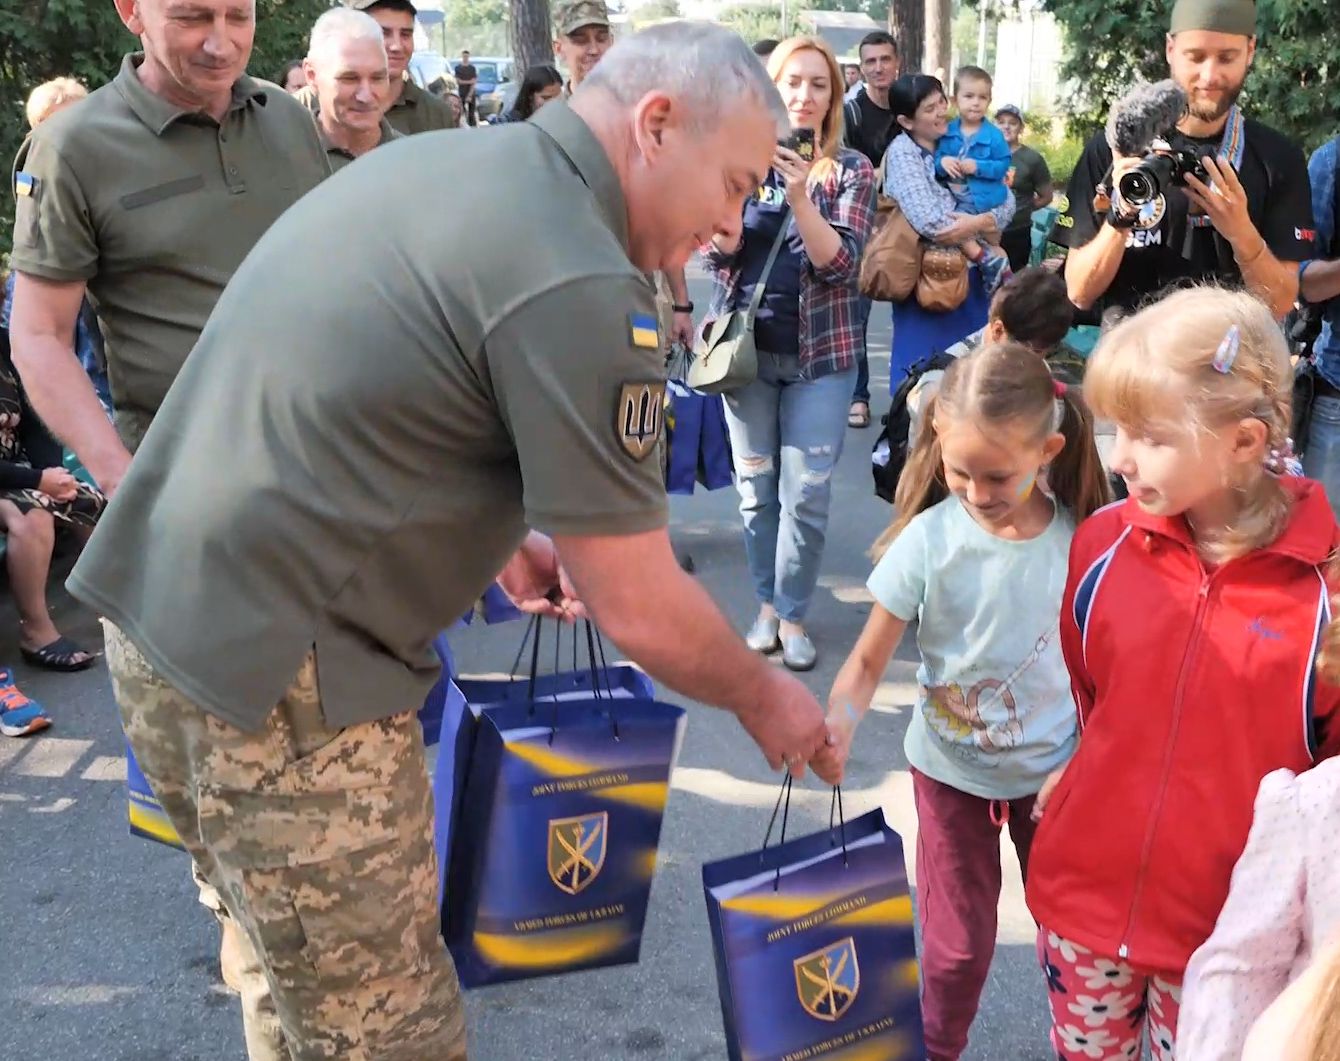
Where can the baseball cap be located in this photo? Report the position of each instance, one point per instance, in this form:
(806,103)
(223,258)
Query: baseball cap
(363,5)
(1011,110)
(572,15)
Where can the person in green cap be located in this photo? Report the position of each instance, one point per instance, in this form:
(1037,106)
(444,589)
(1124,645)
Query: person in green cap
(1249,222)
(346,68)
(583,35)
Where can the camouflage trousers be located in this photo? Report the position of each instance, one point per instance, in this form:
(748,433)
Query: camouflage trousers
(320,843)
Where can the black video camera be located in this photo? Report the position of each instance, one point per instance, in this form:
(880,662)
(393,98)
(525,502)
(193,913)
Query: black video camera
(1167,164)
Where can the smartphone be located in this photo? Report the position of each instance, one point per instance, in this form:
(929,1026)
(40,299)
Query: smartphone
(801,141)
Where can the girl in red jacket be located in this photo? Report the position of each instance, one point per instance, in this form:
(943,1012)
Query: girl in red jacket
(1190,625)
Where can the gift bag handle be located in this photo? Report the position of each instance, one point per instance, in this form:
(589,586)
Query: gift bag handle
(595,648)
(785,808)
(836,805)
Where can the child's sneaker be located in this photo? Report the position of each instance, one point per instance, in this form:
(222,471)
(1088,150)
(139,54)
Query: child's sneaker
(19,716)
(995,271)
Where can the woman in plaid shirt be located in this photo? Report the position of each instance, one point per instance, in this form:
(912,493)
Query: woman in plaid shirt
(787,427)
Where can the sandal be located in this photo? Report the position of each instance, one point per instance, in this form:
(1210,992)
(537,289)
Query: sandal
(61,655)
(859,415)
(19,716)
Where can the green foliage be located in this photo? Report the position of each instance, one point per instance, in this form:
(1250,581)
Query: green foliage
(655,11)
(42,39)
(755,22)
(1294,84)
(1061,153)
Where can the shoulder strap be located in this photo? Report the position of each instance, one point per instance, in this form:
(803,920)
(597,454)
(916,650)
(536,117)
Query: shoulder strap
(756,299)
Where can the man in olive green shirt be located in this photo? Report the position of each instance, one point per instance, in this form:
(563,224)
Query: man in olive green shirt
(439,392)
(410,109)
(148,195)
(346,68)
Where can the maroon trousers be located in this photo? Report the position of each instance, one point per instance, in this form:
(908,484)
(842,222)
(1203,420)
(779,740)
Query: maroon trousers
(958,889)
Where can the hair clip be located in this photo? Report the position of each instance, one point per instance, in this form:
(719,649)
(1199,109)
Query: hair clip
(1227,352)
(1058,389)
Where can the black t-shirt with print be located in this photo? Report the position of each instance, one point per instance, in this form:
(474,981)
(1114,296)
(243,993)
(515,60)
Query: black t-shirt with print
(1163,249)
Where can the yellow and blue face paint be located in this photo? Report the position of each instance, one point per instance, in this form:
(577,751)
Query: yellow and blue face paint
(1026,488)
(643,330)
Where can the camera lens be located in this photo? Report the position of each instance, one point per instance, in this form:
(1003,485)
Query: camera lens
(1138,187)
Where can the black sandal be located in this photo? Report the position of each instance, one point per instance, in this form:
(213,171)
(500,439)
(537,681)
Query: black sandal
(61,655)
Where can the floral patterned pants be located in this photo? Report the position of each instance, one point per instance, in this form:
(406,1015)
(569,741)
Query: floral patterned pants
(1101,1006)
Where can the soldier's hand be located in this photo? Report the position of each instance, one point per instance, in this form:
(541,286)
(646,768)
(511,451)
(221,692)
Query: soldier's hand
(537,584)
(786,722)
(681,329)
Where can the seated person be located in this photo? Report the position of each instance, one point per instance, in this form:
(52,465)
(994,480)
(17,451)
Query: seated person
(36,491)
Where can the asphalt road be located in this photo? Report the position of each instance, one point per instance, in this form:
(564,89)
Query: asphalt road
(107,954)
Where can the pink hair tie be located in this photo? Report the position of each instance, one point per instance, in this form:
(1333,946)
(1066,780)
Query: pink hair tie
(1058,389)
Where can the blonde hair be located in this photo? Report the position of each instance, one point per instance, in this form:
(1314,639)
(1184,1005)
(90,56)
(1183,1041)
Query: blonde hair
(831,132)
(997,384)
(1325,1043)
(50,96)
(1157,368)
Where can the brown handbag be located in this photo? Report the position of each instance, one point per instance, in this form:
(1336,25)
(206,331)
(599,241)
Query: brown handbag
(943,284)
(891,264)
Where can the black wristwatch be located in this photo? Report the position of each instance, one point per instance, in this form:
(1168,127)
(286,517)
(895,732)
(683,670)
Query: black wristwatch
(687,307)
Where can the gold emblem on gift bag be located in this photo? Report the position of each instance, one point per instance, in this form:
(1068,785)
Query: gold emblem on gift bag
(827,980)
(638,417)
(577,850)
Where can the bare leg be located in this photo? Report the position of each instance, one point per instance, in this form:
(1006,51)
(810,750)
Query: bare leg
(28,558)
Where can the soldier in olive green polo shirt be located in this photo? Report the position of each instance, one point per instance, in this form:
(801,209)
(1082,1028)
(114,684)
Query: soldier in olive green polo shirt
(446,382)
(346,68)
(582,35)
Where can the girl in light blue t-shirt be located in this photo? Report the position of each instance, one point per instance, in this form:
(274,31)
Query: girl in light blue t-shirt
(977,556)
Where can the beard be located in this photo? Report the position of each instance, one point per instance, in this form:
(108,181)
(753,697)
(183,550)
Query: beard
(1210,111)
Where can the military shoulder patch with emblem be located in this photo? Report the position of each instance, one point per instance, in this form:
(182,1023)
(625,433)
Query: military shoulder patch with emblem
(639,415)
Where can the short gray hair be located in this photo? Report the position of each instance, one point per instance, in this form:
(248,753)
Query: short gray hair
(341,24)
(706,66)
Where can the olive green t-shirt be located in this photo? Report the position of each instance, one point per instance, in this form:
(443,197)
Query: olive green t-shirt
(352,453)
(339,157)
(417,111)
(155,207)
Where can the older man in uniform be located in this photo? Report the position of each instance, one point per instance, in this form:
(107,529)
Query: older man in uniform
(346,68)
(270,617)
(147,196)
(583,35)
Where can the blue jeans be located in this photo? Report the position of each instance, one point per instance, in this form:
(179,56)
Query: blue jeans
(861,393)
(786,434)
(1321,459)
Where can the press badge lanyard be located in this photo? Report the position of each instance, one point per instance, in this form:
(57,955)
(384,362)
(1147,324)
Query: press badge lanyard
(1231,149)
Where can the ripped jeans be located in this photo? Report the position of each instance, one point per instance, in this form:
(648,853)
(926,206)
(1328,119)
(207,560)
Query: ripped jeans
(786,434)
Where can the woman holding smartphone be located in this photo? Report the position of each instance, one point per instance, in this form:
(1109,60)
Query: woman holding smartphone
(787,427)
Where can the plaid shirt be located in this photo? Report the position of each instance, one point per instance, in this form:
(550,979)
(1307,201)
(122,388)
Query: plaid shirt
(832,332)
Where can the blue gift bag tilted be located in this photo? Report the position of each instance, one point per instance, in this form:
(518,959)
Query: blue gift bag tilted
(814,946)
(699,446)
(549,794)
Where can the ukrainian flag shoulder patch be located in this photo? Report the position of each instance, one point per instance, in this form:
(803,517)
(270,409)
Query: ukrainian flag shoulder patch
(644,330)
(25,184)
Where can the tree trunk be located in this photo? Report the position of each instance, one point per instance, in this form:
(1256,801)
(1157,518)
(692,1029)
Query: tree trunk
(939,40)
(529,34)
(907,23)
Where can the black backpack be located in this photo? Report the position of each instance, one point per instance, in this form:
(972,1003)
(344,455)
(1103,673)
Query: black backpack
(890,453)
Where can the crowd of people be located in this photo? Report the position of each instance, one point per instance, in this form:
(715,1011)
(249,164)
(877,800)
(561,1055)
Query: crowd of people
(1144,694)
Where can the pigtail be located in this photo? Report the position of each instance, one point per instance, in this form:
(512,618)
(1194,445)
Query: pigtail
(1076,476)
(922,484)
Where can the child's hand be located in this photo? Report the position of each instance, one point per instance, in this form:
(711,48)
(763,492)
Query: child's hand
(830,762)
(953,168)
(967,166)
(1045,794)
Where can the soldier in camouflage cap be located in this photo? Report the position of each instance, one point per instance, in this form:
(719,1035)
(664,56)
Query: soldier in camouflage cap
(583,36)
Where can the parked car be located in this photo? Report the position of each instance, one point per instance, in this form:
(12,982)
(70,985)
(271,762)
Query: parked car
(493,72)
(502,99)
(433,73)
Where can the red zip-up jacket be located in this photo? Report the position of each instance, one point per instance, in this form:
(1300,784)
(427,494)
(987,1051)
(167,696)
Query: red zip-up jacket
(1191,685)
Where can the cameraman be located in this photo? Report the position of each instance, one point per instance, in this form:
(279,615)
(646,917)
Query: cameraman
(1250,222)
(1320,282)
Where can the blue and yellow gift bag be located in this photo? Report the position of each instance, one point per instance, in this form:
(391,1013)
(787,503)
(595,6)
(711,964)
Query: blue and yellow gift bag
(145,812)
(553,816)
(699,446)
(814,946)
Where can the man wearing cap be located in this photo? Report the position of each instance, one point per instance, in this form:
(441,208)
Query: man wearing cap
(394,425)
(147,196)
(409,108)
(1032,185)
(346,68)
(583,36)
(1249,223)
